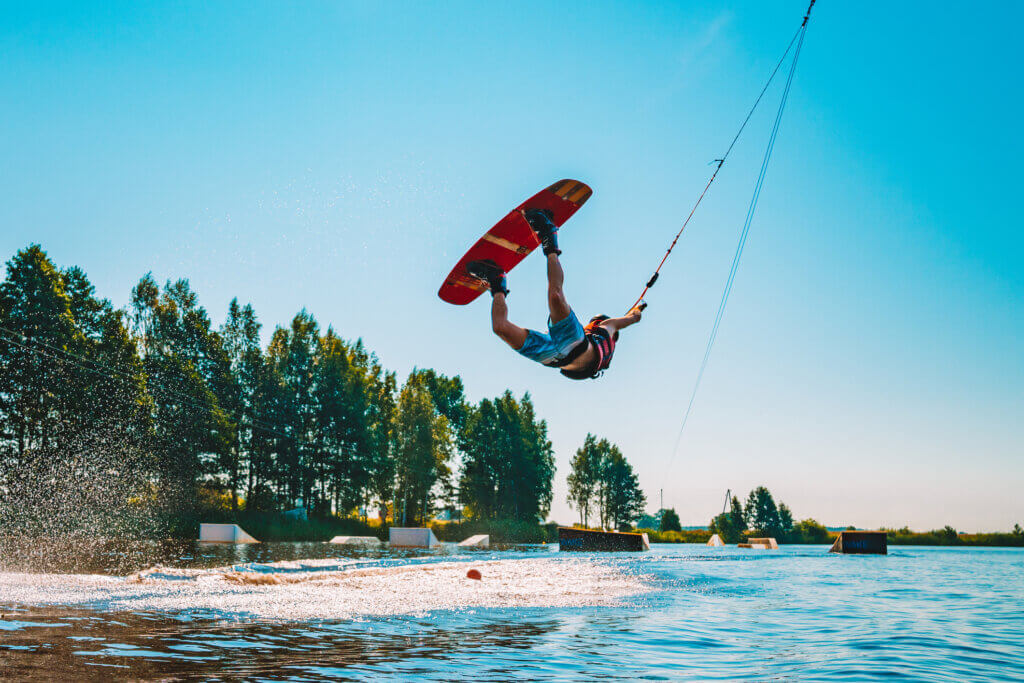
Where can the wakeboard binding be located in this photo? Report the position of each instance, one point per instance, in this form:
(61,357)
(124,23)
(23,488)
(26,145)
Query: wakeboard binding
(489,272)
(547,231)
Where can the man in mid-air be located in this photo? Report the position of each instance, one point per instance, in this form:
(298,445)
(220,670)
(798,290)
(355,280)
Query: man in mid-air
(579,352)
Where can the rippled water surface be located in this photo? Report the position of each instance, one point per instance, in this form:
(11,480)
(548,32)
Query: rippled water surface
(316,611)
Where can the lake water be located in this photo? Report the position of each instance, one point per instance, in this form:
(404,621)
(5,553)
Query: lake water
(316,611)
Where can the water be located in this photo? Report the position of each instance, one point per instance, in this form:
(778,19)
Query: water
(315,611)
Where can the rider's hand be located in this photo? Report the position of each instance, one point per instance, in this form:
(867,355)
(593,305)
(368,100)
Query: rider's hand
(636,311)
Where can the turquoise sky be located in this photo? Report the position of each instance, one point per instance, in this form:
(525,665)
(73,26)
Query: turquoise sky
(341,156)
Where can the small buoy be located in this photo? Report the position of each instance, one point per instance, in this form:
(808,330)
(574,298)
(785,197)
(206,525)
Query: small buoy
(473,574)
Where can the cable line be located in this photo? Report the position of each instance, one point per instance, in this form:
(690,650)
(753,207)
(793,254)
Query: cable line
(720,162)
(746,225)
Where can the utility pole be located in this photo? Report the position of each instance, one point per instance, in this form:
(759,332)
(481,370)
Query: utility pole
(661,494)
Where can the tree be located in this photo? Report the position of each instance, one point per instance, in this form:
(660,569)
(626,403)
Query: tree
(731,525)
(583,477)
(423,447)
(73,405)
(761,514)
(623,499)
(508,463)
(670,521)
(785,522)
(184,363)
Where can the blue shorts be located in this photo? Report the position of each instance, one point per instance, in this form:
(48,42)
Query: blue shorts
(562,337)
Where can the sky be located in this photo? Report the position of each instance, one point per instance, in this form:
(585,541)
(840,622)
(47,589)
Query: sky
(341,156)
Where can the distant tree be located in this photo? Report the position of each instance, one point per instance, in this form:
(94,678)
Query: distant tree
(584,475)
(948,535)
(1017,531)
(623,499)
(670,520)
(731,525)
(762,515)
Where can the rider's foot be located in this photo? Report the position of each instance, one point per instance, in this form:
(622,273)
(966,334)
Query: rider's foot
(490,272)
(547,232)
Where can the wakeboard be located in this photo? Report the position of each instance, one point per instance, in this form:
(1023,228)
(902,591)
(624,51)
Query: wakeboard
(512,239)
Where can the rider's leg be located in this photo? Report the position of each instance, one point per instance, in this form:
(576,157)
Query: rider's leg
(558,306)
(512,334)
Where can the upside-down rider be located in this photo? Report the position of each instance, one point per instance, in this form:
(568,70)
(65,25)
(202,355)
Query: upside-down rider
(580,352)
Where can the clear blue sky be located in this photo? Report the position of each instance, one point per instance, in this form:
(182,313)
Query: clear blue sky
(341,156)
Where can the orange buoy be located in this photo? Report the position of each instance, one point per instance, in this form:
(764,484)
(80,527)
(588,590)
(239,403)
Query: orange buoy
(474,574)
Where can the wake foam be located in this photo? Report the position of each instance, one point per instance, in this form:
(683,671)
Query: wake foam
(331,589)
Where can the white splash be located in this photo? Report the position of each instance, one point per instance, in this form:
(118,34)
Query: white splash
(331,589)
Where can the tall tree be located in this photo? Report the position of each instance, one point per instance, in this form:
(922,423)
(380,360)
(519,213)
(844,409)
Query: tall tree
(423,447)
(584,476)
(508,464)
(184,361)
(670,521)
(764,518)
(730,525)
(624,501)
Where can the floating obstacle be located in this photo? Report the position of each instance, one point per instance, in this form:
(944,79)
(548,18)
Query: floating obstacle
(861,543)
(478,541)
(716,541)
(760,544)
(224,533)
(355,540)
(573,538)
(412,537)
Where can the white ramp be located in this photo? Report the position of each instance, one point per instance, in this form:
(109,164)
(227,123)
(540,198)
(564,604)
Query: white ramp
(224,533)
(412,537)
(716,541)
(478,541)
(355,540)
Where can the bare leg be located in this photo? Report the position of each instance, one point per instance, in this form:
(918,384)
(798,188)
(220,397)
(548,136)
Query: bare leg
(513,335)
(557,304)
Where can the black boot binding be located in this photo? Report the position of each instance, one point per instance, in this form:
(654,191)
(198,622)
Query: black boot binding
(489,271)
(547,232)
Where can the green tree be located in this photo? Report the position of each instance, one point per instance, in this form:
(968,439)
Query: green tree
(761,514)
(508,463)
(623,500)
(184,362)
(670,521)
(584,476)
(731,525)
(73,406)
(423,447)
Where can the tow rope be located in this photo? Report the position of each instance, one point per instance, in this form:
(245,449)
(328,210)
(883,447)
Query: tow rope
(798,38)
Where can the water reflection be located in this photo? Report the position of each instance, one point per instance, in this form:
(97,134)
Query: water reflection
(64,643)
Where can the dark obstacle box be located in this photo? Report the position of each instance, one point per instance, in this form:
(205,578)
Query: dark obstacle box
(587,540)
(861,543)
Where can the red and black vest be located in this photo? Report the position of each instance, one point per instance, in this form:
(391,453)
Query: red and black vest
(603,341)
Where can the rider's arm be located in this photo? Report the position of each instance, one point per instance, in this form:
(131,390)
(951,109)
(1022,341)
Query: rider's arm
(625,321)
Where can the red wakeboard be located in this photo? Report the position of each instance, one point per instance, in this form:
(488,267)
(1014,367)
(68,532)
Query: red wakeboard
(512,239)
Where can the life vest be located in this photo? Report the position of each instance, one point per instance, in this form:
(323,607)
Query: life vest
(603,342)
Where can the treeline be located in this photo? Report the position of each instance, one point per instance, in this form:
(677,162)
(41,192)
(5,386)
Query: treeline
(143,419)
(950,536)
(759,516)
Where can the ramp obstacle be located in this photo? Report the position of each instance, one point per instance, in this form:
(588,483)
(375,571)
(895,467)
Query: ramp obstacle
(355,540)
(478,541)
(224,533)
(861,543)
(412,537)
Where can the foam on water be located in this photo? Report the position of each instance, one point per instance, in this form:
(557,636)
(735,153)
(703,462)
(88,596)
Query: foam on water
(332,589)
